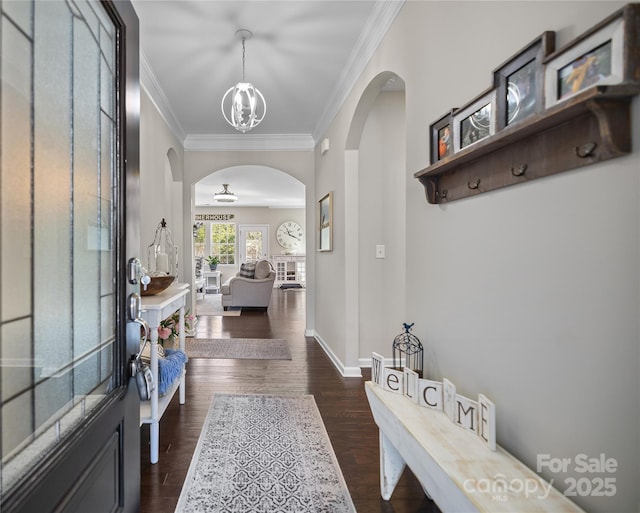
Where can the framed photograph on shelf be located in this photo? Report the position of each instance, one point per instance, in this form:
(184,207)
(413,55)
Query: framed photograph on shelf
(441,135)
(325,222)
(601,56)
(475,121)
(519,82)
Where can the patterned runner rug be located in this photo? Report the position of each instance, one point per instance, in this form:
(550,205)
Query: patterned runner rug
(239,348)
(264,453)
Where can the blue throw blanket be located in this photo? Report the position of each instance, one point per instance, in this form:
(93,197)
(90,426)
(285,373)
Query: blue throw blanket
(170,368)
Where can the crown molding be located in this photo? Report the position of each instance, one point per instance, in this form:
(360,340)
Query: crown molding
(150,84)
(249,142)
(381,18)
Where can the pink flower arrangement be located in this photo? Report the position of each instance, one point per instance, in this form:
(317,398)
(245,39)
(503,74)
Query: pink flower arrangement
(170,327)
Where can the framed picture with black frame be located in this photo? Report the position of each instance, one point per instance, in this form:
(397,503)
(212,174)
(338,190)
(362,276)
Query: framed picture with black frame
(475,121)
(519,82)
(441,134)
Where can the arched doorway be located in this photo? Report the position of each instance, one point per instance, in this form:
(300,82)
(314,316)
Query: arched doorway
(248,228)
(375,179)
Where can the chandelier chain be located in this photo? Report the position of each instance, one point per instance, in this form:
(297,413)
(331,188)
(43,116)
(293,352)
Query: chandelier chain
(243,51)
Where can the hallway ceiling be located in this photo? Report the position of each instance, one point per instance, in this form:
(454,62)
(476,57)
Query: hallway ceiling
(304,57)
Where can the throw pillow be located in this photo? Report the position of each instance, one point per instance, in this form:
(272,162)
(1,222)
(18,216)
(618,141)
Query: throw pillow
(262,270)
(247,271)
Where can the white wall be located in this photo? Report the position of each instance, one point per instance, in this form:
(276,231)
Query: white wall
(381,221)
(529,294)
(161,157)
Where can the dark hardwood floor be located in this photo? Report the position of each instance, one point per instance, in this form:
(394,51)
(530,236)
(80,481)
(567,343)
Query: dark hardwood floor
(341,401)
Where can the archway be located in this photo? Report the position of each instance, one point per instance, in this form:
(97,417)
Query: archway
(267,198)
(375,179)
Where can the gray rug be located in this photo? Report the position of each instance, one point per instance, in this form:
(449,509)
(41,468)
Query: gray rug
(264,453)
(238,348)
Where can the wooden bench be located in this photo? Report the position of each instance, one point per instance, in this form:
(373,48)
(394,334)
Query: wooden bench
(453,466)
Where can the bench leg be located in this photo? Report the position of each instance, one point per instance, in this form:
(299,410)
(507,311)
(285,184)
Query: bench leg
(391,467)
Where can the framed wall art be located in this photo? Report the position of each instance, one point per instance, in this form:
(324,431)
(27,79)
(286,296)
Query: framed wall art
(519,82)
(441,136)
(602,56)
(325,222)
(475,121)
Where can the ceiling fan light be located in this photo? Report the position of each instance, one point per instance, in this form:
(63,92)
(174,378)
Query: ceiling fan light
(225,196)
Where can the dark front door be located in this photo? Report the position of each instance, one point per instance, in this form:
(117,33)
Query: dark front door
(69,107)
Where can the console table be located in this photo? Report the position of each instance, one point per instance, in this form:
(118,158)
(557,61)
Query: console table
(453,466)
(154,310)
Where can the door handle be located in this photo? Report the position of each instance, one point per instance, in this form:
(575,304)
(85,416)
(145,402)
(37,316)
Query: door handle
(140,371)
(135,306)
(135,310)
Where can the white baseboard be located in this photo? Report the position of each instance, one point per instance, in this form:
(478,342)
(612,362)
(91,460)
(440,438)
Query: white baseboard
(346,372)
(366,362)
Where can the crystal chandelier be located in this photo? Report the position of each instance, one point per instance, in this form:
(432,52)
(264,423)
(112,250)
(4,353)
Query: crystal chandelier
(244,103)
(225,196)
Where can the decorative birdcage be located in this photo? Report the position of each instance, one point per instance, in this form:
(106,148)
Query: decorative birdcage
(408,350)
(162,253)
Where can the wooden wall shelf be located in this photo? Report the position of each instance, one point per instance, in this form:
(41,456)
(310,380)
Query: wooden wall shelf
(590,127)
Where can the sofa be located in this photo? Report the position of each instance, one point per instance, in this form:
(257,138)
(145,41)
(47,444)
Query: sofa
(251,287)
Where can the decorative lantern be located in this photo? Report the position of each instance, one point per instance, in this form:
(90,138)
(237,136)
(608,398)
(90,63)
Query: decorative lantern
(407,351)
(162,253)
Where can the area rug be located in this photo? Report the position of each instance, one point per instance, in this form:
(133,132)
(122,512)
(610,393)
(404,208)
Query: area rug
(212,305)
(267,454)
(238,348)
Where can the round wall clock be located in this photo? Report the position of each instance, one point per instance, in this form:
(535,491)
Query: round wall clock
(289,234)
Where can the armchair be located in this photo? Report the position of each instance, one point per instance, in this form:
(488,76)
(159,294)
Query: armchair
(243,290)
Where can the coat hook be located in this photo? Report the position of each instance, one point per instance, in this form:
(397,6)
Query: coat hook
(474,185)
(443,193)
(586,150)
(519,171)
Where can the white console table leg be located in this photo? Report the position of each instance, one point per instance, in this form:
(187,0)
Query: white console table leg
(391,467)
(181,338)
(154,427)
(154,432)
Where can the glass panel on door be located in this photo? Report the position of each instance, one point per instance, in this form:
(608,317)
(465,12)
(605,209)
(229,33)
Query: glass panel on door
(254,242)
(57,236)
(253,245)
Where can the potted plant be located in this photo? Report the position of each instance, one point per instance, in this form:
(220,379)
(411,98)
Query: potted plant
(213,262)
